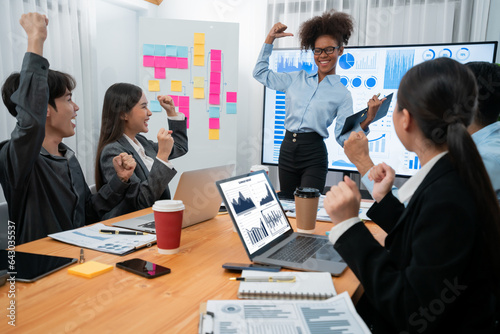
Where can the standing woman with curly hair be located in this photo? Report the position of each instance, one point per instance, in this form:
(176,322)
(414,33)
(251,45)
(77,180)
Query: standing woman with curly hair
(313,101)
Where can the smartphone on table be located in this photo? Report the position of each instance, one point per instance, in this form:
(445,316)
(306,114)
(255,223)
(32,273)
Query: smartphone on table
(143,268)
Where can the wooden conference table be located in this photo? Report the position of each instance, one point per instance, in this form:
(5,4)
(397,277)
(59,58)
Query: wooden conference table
(122,302)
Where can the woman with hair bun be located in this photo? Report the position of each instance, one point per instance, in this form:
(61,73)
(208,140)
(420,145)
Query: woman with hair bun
(439,270)
(313,101)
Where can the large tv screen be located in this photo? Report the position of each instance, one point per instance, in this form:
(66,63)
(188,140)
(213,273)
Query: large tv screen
(365,71)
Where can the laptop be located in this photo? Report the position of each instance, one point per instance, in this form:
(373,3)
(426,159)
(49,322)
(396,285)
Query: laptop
(197,190)
(266,232)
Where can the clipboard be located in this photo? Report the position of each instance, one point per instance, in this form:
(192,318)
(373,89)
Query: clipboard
(360,116)
(206,322)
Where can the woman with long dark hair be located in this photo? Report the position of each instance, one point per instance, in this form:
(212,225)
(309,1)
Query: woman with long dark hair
(125,115)
(439,271)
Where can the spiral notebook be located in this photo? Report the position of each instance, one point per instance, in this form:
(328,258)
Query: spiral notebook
(307,285)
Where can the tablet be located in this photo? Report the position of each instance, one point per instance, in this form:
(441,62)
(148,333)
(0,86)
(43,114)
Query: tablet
(360,116)
(30,267)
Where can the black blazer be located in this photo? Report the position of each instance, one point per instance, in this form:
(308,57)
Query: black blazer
(145,187)
(431,275)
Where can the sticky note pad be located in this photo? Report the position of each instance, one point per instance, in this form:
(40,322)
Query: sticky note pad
(231,97)
(154,106)
(182,52)
(199,60)
(214,98)
(213,112)
(148,49)
(90,269)
(230,108)
(199,49)
(199,82)
(216,66)
(148,61)
(160,73)
(171,62)
(160,61)
(199,93)
(199,38)
(213,134)
(171,51)
(176,86)
(213,123)
(215,54)
(214,77)
(183,101)
(182,63)
(154,85)
(160,50)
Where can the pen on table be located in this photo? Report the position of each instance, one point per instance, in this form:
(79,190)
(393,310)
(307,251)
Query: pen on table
(284,279)
(122,232)
(82,256)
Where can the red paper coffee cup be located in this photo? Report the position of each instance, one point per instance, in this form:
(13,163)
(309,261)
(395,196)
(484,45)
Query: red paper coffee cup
(168,224)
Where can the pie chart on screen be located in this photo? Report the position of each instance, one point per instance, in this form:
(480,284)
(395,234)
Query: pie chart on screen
(346,61)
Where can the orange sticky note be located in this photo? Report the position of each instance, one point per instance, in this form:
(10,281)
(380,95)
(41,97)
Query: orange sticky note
(90,269)
(213,134)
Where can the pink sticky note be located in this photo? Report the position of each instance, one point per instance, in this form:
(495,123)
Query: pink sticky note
(182,63)
(231,97)
(148,61)
(184,101)
(184,110)
(171,62)
(216,66)
(214,88)
(214,99)
(160,73)
(176,99)
(215,77)
(213,123)
(215,54)
(160,62)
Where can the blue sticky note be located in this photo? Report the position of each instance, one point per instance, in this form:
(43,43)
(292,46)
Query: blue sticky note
(160,50)
(154,106)
(148,49)
(230,108)
(171,51)
(182,52)
(213,112)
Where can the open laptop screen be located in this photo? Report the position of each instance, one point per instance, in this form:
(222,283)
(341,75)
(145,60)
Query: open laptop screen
(255,209)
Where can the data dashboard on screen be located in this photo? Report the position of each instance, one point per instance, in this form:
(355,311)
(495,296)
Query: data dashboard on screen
(365,71)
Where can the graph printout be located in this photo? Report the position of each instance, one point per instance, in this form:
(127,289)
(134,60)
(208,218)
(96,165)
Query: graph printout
(255,209)
(364,71)
(334,315)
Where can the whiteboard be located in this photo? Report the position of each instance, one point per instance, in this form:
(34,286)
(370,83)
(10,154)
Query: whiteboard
(203,152)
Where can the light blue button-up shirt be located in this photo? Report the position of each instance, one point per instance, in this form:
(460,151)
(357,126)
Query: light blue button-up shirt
(310,106)
(488,144)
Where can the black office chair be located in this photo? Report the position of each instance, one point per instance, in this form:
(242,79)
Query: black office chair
(4,221)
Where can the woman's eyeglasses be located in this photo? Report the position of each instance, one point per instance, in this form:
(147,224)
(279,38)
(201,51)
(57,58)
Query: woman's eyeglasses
(328,50)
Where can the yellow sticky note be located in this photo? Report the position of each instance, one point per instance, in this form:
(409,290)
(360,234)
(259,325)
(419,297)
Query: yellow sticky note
(199,38)
(154,85)
(176,86)
(199,60)
(199,50)
(199,82)
(199,93)
(90,269)
(213,134)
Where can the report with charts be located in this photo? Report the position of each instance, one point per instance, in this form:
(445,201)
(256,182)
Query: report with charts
(334,315)
(260,216)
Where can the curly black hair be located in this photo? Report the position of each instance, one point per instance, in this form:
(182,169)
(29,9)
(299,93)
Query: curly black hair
(336,24)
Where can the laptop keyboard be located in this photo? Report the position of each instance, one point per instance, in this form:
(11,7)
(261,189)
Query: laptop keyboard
(299,249)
